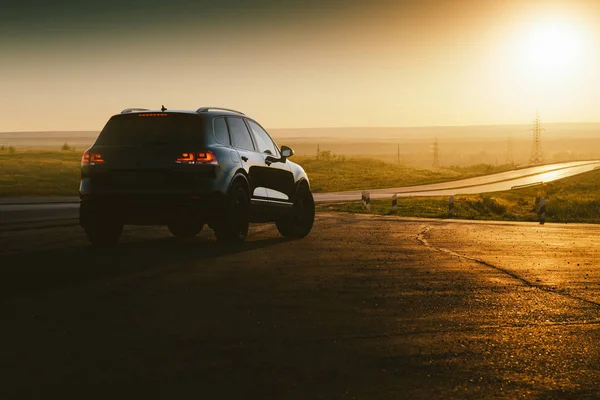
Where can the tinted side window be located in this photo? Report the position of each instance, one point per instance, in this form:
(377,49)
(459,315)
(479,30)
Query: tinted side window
(262,139)
(221,132)
(240,137)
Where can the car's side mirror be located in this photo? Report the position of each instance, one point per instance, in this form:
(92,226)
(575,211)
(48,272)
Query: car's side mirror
(286,151)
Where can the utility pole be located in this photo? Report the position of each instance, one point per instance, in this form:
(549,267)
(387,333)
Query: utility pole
(436,153)
(509,151)
(536,151)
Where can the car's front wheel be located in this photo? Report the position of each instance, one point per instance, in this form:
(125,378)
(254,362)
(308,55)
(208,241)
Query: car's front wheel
(233,228)
(300,221)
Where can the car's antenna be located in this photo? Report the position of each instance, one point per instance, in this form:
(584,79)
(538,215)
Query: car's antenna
(163,108)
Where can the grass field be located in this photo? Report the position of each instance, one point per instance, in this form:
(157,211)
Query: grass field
(39,173)
(341,173)
(574,199)
(56,173)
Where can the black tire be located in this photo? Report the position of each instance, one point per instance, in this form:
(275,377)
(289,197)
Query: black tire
(299,223)
(233,228)
(185,230)
(103,232)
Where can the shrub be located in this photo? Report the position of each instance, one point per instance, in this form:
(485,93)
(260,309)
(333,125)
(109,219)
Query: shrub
(329,156)
(486,205)
(493,205)
(66,147)
(12,150)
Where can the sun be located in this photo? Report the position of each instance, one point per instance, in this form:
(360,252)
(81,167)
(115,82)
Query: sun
(553,47)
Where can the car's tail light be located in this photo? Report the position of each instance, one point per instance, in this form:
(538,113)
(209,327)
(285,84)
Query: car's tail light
(206,158)
(96,159)
(185,158)
(91,158)
(201,158)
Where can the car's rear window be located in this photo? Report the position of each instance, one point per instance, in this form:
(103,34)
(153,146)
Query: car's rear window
(151,129)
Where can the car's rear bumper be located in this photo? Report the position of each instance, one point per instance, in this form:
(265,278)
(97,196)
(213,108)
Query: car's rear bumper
(155,209)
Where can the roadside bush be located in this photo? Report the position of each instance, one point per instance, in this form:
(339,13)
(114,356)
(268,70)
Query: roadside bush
(494,206)
(486,205)
(67,147)
(328,155)
(573,210)
(12,150)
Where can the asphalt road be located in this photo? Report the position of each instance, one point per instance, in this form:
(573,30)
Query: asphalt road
(24,211)
(482,184)
(365,307)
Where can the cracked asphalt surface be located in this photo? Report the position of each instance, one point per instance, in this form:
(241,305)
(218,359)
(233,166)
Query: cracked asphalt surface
(366,307)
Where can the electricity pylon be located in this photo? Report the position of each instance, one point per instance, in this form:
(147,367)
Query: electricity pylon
(537,157)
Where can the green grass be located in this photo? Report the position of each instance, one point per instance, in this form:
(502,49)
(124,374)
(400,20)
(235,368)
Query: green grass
(341,173)
(56,173)
(574,199)
(39,173)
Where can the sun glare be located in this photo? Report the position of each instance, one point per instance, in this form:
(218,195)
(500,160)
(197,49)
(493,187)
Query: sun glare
(554,48)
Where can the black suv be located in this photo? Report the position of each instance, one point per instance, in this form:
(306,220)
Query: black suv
(184,169)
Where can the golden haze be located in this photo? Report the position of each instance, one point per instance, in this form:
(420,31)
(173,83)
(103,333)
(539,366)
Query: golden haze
(440,63)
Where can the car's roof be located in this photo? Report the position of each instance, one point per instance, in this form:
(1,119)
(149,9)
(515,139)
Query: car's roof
(207,113)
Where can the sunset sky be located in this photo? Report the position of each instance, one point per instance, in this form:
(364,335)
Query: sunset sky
(69,65)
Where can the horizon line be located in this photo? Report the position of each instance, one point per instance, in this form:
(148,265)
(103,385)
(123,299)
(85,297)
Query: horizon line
(350,127)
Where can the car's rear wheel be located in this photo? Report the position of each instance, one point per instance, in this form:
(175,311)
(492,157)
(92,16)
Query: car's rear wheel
(233,228)
(103,231)
(185,229)
(300,221)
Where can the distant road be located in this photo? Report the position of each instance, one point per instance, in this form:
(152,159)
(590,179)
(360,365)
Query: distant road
(47,210)
(482,184)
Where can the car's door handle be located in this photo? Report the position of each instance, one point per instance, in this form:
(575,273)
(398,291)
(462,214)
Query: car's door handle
(244,158)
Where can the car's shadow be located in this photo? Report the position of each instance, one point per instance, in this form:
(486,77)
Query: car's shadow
(52,268)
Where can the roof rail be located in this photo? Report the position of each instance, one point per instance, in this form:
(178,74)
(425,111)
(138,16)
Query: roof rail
(128,110)
(205,109)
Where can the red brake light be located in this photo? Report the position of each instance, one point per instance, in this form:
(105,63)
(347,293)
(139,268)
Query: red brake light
(202,158)
(152,115)
(206,158)
(185,158)
(96,159)
(85,158)
(89,158)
